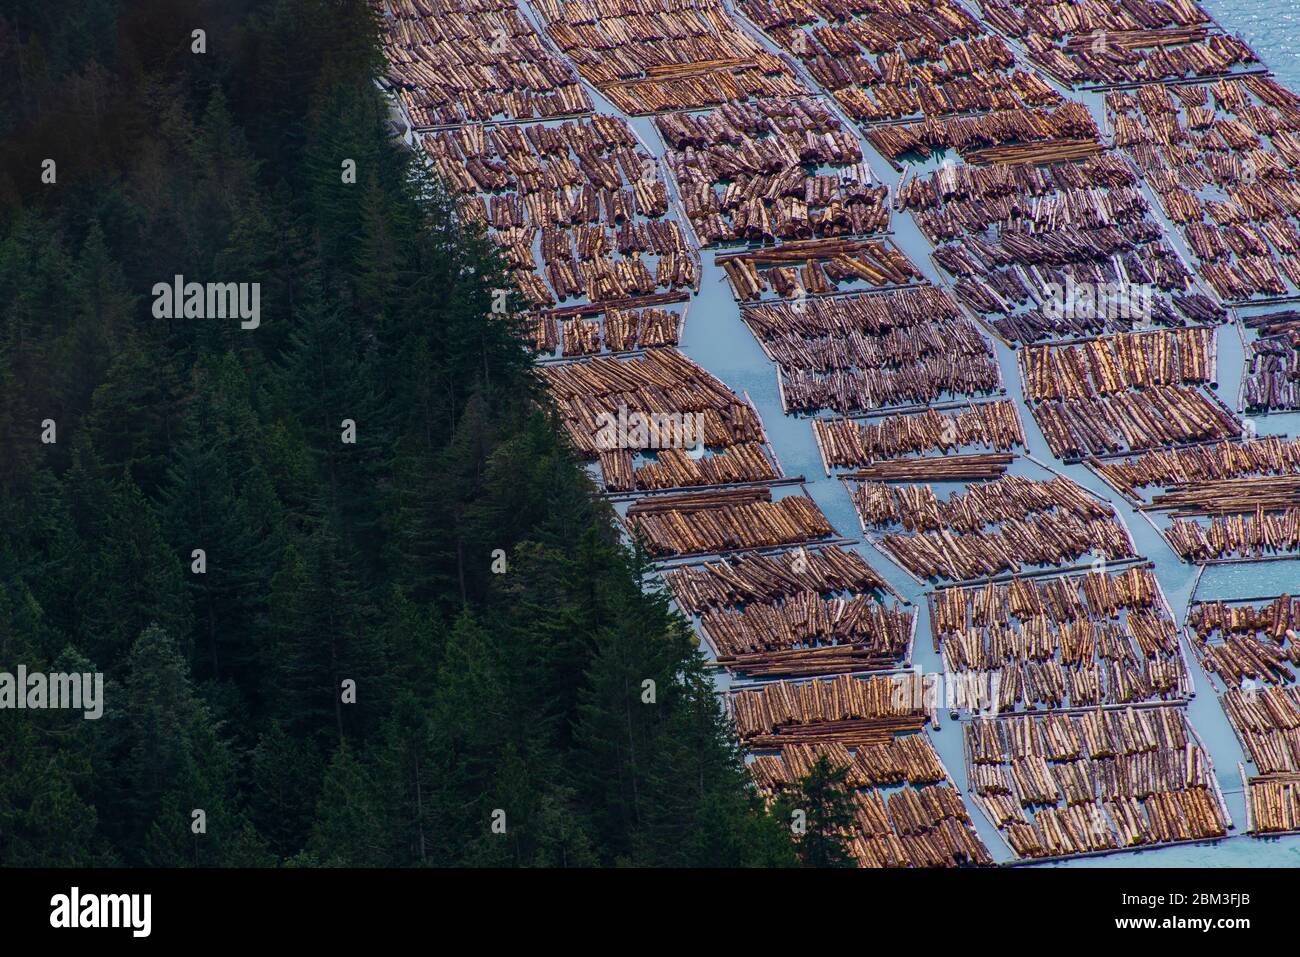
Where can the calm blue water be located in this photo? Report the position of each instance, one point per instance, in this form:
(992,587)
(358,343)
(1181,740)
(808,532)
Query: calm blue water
(1271,27)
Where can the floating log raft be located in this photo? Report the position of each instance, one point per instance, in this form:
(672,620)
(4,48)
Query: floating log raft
(848,443)
(872,350)
(1215,462)
(1068,642)
(1022,135)
(1065,251)
(707,523)
(648,402)
(898,59)
(598,202)
(733,582)
(454,63)
(1258,534)
(792,267)
(1254,649)
(1000,526)
(1062,785)
(655,57)
(1098,43)
(1131,391)
(743,173)
(1239,137)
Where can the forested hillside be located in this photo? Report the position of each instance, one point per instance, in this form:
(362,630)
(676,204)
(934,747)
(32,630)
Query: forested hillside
(325,561)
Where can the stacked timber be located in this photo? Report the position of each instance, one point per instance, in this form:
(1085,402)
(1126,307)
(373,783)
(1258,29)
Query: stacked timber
(706,523)
(847,443)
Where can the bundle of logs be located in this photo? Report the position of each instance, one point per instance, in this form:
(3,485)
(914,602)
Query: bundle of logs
(1037,523)
(677,468)
(619,330)
(908,758)
(807,634)
(744,172)
(453,63)
(595,196)
(767,578)
(1218,461)
(1025,644)
(652,57)
(724,520)
(1022,135)
(1060,785)
(847,710)
(1256,535)
(647,402)
(1104,42)
(847,443)
(1272,379)
(1275,803)
(796,269)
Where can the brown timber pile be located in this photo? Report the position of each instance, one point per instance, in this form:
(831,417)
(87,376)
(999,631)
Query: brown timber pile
(648,57)
(846,710)
(743,173)
(1073,641)
(730,582)
(593,395)
(1037,523)
(1254,649)
(1061,785)
(595,196)
(704,523)
(1216,462)
(1089,43)
(455,62)
(846,443)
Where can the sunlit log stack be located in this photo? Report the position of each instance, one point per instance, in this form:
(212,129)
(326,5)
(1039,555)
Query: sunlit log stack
(462,61)
(847,710)
(696,431)
(1067,784)
(1130,391)
(799,612)
(1254,649)
(1023,135)
(616,330)
(745,173)
(851,443)
(1091,43)
(724,520)
(896,59)
(1067,642)
(1010,524)
(1223,160)
(1258,534)
(732,582)
(1217,461)
(1271,382)
(806,267)
(594,195)
(874,350)
(923,824)
(649,56)
(1071,249)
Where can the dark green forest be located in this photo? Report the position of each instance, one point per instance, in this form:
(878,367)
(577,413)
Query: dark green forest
(325,561)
